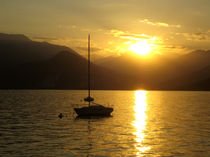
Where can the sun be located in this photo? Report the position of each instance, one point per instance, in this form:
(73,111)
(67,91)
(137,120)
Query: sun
(141,48)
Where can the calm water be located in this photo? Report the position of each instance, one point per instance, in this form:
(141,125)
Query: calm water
(152,123)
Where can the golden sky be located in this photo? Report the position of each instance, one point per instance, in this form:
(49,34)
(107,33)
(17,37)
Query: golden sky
(177,26)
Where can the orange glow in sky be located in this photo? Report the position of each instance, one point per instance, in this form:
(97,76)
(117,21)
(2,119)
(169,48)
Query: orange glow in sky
(67,22)
(141,48)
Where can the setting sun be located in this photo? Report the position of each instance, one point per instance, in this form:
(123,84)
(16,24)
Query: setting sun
(141,48)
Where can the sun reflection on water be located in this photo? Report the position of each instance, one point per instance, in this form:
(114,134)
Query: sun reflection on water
(140,121)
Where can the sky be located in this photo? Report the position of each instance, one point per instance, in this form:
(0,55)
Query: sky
(167,26)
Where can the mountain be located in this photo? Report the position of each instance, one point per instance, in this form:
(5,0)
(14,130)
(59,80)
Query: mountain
(65,70)
(193,70)
(16,49)
(165,73)
(26,64)
(150,71)
(196,80)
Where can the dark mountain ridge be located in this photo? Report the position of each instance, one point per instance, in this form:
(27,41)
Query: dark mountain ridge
(63,71)
(14,37)
(164,73)
(18,49)
(26,64)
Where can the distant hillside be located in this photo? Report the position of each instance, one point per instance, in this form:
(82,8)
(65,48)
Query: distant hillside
(165,73)
(26,64)
(193,80)
(63,71)
(18,49)
(37,65)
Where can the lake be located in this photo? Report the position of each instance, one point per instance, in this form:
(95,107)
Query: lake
(144,123)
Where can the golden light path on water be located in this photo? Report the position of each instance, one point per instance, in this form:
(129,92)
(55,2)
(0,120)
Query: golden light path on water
(140,120)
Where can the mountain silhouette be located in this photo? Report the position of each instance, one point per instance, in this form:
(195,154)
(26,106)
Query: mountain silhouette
(18,49)
(161,72)
(65,70)
(26,64)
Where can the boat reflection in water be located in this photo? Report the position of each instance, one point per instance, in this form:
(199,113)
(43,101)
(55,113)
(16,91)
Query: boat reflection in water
(140,121)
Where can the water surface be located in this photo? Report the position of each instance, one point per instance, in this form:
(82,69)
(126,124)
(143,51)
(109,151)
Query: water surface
(144,123)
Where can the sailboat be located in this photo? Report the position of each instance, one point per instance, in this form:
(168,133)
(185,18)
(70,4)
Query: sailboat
(92,109)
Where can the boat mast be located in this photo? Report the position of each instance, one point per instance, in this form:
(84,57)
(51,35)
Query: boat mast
(89,68)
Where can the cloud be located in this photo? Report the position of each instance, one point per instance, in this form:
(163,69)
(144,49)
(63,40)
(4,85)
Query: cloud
(127,35)
(160,24)
(198,36)
(174,47)
(67,26)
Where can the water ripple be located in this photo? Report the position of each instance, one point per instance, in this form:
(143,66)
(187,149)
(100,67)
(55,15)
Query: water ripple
(152,123)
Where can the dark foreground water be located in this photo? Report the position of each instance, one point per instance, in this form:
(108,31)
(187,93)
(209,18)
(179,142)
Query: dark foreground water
(144,123)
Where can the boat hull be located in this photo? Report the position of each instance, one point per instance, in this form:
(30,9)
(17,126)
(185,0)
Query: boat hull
(94,111)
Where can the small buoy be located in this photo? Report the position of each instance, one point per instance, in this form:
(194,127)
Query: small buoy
(60,115)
